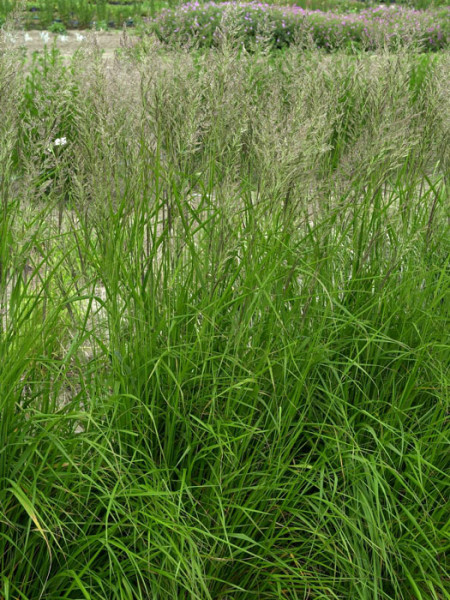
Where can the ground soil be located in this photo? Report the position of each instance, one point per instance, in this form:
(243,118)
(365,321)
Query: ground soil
(69,43)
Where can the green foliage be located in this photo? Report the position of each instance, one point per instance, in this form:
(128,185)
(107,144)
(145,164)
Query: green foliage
(255,24)
(80,14)
(342,6)
(57,27)
(76,14)
(223,308)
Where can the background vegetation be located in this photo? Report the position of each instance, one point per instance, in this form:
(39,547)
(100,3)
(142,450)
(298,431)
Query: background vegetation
(110,14)
(252,24)
(224,291)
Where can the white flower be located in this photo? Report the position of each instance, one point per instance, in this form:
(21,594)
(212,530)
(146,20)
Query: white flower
(44,36)
(60,141)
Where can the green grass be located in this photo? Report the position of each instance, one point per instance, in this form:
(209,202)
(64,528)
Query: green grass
(224,356)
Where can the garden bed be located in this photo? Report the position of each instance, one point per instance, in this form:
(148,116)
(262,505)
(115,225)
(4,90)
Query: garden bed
(223,343)
(252,24)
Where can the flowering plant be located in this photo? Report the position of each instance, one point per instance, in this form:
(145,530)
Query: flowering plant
(382,26)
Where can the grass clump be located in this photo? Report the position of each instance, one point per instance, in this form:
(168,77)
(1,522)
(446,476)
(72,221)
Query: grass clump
(223,304)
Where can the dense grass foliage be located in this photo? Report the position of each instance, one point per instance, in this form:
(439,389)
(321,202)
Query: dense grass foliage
(256,23)
(223,299)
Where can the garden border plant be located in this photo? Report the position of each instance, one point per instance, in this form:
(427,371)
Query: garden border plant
(80,14)
(254,23)
(224,360)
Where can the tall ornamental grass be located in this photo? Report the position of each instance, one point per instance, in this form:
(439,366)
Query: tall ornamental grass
(223,305)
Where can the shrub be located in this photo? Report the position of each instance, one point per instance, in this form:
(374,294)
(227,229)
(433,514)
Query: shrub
(251,23)
(57,27)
